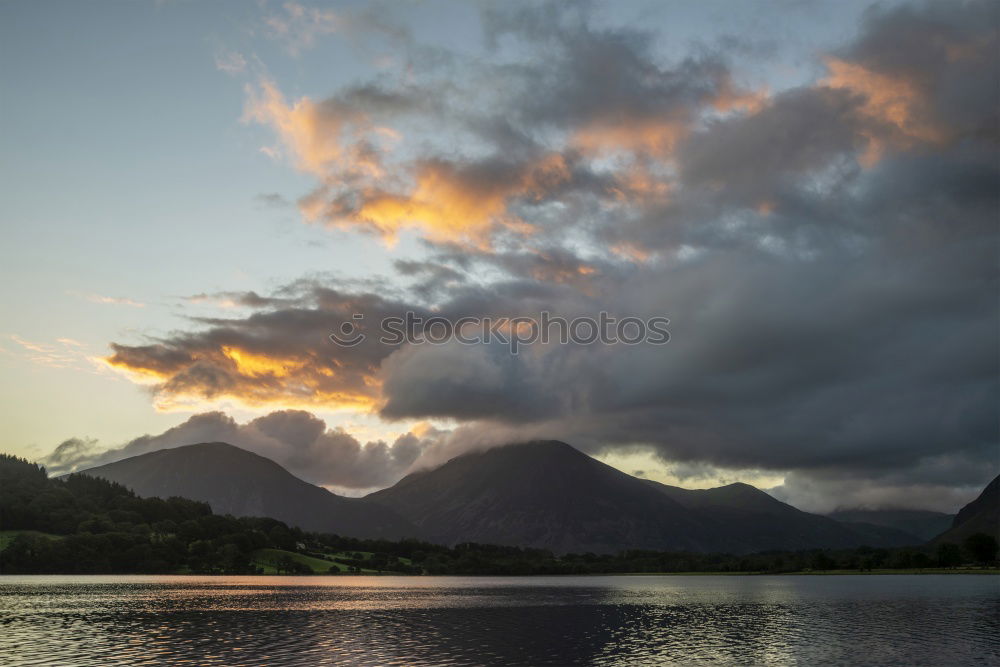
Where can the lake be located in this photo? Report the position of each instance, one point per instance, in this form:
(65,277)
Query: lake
(759,620)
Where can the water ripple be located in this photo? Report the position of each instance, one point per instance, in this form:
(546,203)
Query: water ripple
(897,620)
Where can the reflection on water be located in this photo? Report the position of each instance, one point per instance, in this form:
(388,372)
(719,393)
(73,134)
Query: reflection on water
(891,620)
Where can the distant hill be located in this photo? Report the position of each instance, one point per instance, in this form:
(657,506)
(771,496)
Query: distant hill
(920,523)
(761,522)
(982,515)
(234,481)
(549,495)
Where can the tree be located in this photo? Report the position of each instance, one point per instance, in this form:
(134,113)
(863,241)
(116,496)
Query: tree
(982,548)
(949,555)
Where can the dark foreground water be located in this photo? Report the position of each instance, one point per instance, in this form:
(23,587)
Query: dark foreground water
(844,620)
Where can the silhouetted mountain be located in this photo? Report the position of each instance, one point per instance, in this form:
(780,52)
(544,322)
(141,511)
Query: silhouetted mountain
(549,495)
(238,482)
(761,522)
(920,523)
(545,495)
(982,515)
(539,494)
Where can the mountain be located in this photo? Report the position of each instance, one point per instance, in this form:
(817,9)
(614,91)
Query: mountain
(542,494)
(982,515)
(546,494)
(920,523)
(235,481)
(762,523)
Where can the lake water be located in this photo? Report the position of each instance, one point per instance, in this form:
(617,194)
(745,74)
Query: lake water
(758,620)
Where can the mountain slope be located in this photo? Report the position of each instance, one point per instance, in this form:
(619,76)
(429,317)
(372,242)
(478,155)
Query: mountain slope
(761,522)
(982,515)
(238,482)
(920,523)
(546,495)
(549,495)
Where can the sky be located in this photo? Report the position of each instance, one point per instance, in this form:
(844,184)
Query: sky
(195,195)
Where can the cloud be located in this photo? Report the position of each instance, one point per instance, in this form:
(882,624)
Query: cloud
(452,201)
(280,354)
(68,353)
(297,440)
(826,253)
(481,155)
(230,62)
(318,137)
(931,485)
(272,200)
(299,26)
(110,300)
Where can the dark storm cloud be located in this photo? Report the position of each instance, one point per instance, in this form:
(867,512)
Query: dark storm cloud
(465,383)
(582,74)
(827,256)
(948,51)
(751,159)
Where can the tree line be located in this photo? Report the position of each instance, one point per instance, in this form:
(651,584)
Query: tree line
(81,525)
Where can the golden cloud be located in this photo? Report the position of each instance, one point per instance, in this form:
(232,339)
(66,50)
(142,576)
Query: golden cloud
(891,101)
(230,374)
(323,139)
(648,136)
(449,201)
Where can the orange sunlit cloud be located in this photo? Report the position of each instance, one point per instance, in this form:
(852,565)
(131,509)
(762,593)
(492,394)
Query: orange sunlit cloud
(253,380)
(632,252)
(731,98)
(321,138)
(450,202)
(893,101)
(336,144)
(646,136)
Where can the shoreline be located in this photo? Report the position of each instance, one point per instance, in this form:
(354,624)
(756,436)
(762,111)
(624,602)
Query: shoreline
(817,573)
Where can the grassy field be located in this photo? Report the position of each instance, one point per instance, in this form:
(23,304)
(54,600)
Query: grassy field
(265,557)
(7,537)
(365,555)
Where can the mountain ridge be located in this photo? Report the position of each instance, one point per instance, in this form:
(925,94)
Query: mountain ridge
(460,501)
(763,522)
(924,524)
(497,496)
(982,515)
(211,472)
(541,494)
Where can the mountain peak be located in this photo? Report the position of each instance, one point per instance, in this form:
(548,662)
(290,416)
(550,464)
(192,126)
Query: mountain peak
(544,494)
(547,494)
(235,481)
(982,515)
(529,450)
(215,448)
